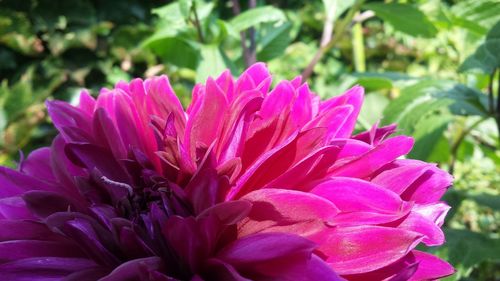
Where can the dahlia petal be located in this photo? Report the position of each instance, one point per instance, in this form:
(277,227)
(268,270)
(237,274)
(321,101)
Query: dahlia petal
(44,203)
(333,119)
(65,115)
(280,210)
(32,165)
(24,230)
(361,249)
(94,157)
(302,110)
(434,236)
(430,267)
(429,188)
(133,269)
(14,208)
(259,75)
(86,102)
(354,195)
(354,98)
(105,133)
(368,163)
(435,212)
(90,274)
(219,270)
(82,231)
(279,99)
(43,268)
(265,247)
(161,93)
(375,135)
(400,270)
(276,161)
(235,130)
(314,269)
(350,148)
(21,249)
(400,178)
(63,169)
(14,183)
(306,172)
(228,213)
(205,187)
(205,120)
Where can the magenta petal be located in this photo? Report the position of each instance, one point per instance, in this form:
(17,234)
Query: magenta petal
(33,165)
(280,210)
(353,250)
(43,268)
(430,267)
(131,270)
(14,208)
(314,269)
(373,160)
(21,249)
(265,247)
(352,195)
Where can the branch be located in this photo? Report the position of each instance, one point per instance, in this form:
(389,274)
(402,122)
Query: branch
(247,55)
(456,145)
(252,51)
(197,23)
(328,40)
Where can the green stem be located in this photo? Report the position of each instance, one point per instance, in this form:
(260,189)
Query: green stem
(458,142)
(358,47)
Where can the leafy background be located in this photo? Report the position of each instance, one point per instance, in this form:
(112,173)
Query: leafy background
(431,66)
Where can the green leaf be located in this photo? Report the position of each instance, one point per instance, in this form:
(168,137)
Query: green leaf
(469,248)
(427,133)
(404,18)
(273,41)
(185,7)
(256,16)
(429,96)
(175,50)
(476,15)
(212,63)
(372,110)
(487,56)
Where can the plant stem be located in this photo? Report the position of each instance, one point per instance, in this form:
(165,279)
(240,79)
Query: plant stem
(249,56)
(458,142)
(252,55)
(497,117)
(491,106)
(358,48)
(197,23)
(328,41)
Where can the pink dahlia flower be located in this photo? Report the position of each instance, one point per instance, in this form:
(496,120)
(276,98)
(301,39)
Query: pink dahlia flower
(247,183)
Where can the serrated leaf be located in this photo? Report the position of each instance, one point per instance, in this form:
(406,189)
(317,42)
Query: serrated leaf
(487,56)
(428,96)
(404,18)
(256,16)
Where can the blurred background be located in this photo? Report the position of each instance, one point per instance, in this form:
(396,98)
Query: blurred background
(431,66)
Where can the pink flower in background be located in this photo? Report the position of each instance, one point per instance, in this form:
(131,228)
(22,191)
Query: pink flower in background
(247,183)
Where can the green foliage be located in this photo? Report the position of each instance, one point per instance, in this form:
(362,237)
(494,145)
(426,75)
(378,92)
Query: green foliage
(403,17)
(428,65)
